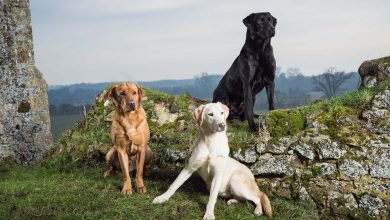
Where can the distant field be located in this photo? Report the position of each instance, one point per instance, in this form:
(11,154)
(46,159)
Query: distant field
(59,123)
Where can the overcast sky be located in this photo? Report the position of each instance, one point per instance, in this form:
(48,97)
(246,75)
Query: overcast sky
(131,40)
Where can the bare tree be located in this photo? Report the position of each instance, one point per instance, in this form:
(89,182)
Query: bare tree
(330,82)
(293,71)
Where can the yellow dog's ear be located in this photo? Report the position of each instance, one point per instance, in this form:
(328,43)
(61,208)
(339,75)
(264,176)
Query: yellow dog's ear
(197,116)
(110,92)
(225,110)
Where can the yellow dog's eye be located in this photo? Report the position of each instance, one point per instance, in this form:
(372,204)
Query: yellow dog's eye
(221,113)
(210,114)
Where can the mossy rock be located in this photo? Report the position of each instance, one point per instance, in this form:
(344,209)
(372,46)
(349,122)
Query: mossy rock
(285,122)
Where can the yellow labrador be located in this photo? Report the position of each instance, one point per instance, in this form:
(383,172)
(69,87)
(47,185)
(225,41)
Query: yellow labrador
(223,175)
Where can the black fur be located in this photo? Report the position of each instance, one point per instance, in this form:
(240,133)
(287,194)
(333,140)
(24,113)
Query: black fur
(251,71)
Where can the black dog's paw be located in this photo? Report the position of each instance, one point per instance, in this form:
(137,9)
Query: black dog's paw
(253,127)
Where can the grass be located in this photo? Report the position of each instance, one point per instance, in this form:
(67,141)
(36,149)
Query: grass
(359,100)
(80,192)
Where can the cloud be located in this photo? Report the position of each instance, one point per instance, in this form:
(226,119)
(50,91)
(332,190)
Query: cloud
(113,40)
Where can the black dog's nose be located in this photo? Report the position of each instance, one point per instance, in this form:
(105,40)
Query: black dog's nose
(221,125)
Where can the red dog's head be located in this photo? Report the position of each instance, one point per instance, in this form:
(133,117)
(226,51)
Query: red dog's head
(126,96)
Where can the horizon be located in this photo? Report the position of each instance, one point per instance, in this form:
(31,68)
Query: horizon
(96,41)
(192,78)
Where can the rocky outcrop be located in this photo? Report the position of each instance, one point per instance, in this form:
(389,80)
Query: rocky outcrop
(373,71)
(24,114)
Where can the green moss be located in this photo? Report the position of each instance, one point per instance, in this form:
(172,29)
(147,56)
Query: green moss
(316,170)
(285,122)
(330,119)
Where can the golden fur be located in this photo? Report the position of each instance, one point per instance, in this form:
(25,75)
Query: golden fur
(130,136)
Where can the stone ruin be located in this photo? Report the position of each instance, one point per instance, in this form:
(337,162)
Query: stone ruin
(24,113)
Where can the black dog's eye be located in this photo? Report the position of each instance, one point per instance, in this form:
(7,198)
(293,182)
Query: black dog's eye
(269,19)
(262,19)
(210,114)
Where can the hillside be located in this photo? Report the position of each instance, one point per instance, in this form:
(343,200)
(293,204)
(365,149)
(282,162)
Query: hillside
(332,155)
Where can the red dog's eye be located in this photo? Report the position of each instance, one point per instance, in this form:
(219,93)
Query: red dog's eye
(122,93)
(134,93)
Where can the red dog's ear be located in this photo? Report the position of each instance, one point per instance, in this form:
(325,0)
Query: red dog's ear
(110,92)
(140,94)
(197,116)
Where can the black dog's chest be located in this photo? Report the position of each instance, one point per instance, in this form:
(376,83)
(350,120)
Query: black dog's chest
(260,79)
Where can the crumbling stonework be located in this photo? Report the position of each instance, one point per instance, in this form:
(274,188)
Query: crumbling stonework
(373,71)
(24,114)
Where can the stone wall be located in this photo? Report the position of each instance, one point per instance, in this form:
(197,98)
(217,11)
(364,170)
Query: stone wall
(339,161)
(24,115)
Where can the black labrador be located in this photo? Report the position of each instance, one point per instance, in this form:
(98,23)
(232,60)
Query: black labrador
(251,71)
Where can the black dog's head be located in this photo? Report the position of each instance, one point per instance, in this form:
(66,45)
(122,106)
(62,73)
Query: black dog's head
(260,25)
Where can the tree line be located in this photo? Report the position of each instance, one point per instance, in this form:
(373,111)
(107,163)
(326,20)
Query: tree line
(292,89)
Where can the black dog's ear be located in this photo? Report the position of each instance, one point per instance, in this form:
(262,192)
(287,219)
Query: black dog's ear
(248,21)
(274,21)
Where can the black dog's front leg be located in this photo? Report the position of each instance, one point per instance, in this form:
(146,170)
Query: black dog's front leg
(248,104)
(270,95)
